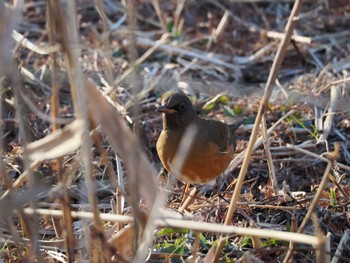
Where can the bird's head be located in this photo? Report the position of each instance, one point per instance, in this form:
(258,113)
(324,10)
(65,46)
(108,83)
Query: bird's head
(178,111)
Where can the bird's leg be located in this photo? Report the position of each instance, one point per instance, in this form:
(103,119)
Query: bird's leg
(185,193)
(189,198)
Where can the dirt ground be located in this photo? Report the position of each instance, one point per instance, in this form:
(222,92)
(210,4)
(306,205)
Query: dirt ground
(80,82)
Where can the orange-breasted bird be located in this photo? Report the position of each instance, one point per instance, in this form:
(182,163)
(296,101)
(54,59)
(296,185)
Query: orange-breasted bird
(212,147)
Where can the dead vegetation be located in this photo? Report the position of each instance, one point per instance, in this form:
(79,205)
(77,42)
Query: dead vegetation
(80,81)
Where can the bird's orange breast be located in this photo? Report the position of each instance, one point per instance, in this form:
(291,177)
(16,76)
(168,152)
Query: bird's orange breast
(204,161)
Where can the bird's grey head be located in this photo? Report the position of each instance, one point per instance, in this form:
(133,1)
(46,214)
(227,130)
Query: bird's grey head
(178,111)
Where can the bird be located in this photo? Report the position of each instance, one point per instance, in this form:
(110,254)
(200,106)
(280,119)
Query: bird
(211,150)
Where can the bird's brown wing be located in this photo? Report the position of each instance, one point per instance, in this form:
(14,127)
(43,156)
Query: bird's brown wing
(211,131)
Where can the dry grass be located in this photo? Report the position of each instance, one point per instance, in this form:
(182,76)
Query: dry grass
(80,81)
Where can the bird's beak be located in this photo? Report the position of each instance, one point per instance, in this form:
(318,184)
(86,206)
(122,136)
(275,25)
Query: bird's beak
(165,109)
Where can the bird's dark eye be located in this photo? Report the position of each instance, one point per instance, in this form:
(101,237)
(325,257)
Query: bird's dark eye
(181,106)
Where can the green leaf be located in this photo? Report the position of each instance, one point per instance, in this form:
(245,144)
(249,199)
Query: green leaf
(228,111)
(246,242)
(210,104)
(238,109)
(333,197)
(273,242)
(311,129)
(203,240)
(270,106)
(249,120)
(170,26)
(170,230)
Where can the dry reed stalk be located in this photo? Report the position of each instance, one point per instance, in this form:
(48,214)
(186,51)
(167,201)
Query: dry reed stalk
(271,167)
(140,184)
(67,28)
(188,224)
(263,106)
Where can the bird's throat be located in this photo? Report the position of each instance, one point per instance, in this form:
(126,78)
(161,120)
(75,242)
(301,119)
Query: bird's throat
(173,122)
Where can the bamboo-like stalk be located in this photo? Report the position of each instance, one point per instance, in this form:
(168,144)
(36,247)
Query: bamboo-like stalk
(263,106)
(188,224)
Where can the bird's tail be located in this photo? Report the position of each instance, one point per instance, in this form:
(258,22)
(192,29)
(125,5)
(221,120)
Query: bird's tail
(232,127)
